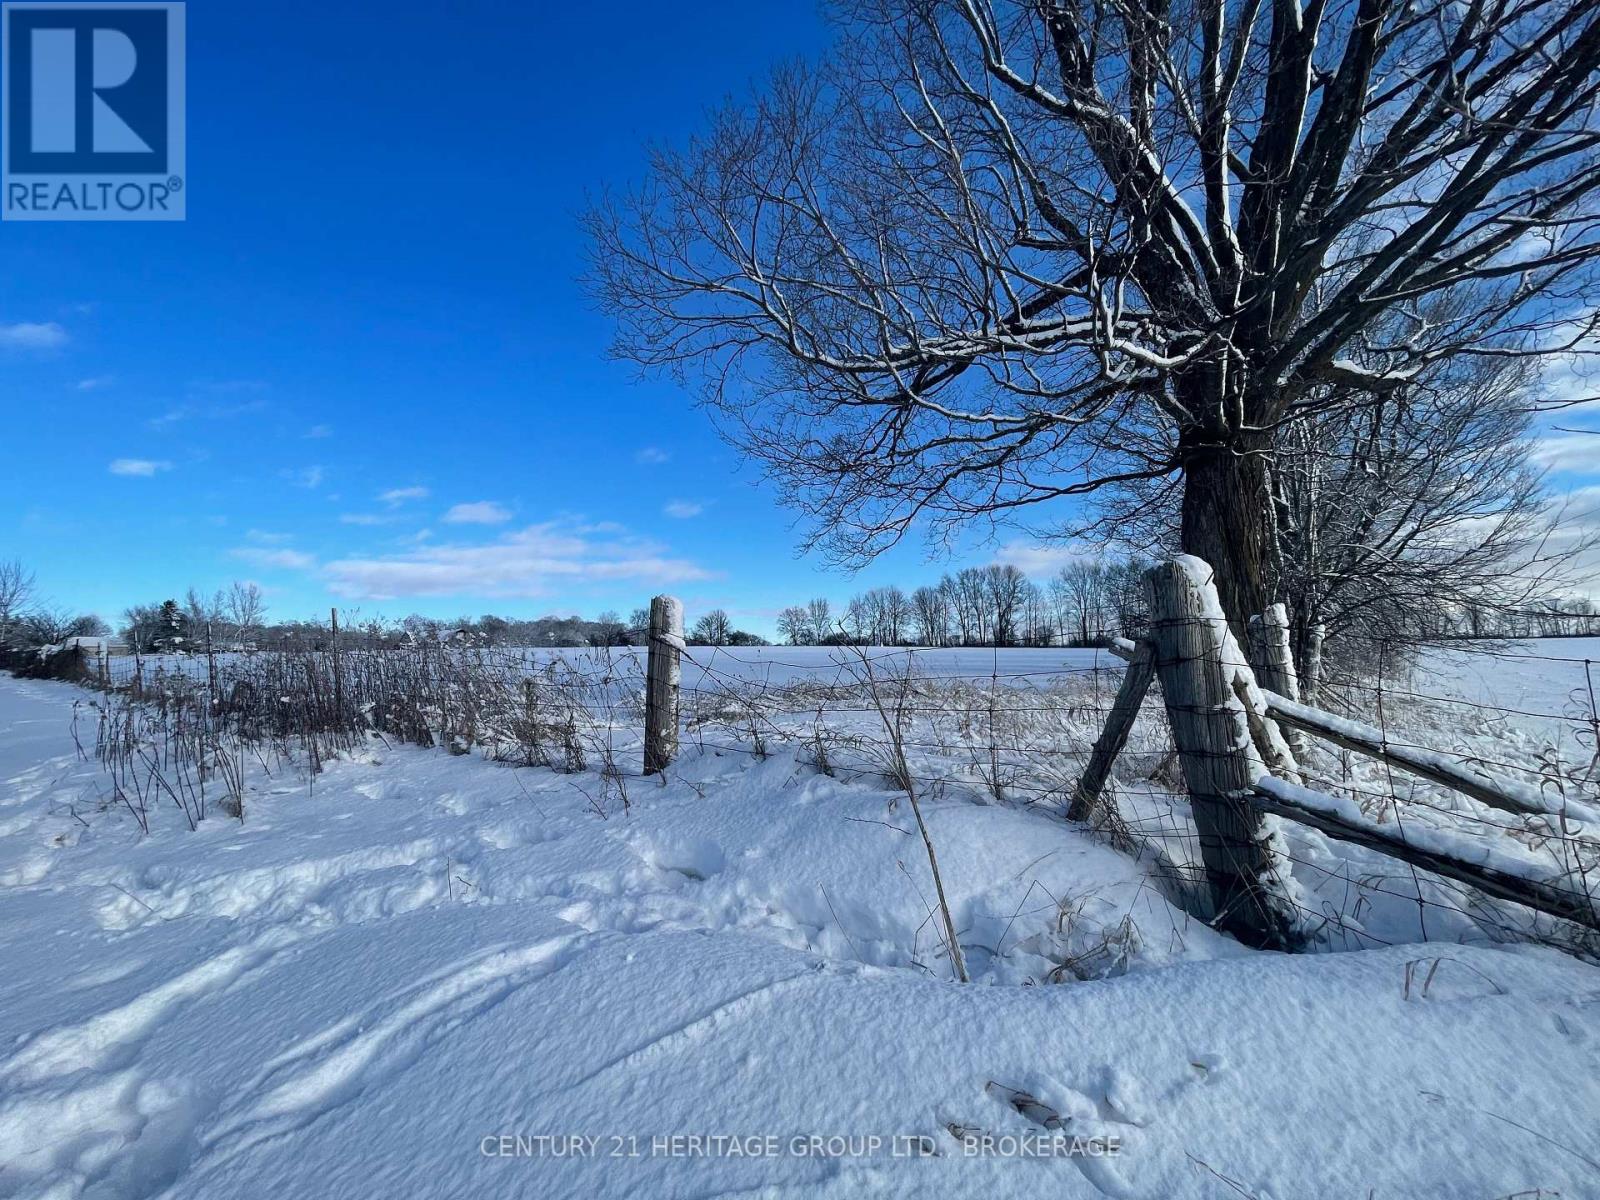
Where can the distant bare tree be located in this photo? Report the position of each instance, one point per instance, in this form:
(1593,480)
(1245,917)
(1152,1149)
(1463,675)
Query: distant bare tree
(51,626)
(930,611)
(16,591)
(713,629)
(1081,590)
(794,625)
(821,614)
(203,614)
(246,610)
(995,253)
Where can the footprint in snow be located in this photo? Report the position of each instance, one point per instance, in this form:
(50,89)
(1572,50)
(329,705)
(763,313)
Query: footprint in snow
(693,858)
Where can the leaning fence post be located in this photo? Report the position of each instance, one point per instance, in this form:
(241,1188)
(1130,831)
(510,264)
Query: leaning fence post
(1200,665)
(1119,723)
(663,676)
(1274,663)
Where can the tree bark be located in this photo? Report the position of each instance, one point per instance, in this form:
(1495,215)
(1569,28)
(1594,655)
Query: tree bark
(1228,522)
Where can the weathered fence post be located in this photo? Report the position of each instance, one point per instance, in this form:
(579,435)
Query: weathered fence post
(663,675)
(1201,667)
(211,665)
(1274,663)
(1119,722)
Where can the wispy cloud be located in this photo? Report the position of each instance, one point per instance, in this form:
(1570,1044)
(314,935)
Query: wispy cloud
(682,510)
(651,455)
(265,537)
(365,519)
(33,335)
(1572,451)
(289,560)
(138,467)
(306,477)
(94,383)
(319,431)
(480,512)
(1040,558)
(206,410)
(530,562)
(397,496)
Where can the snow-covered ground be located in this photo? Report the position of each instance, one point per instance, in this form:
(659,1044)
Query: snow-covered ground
(420,974)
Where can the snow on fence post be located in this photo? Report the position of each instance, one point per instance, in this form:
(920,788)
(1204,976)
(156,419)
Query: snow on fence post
(1274,663)
(1201,667)
(663,675)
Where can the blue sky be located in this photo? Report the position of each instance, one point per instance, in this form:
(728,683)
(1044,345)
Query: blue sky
(362,372)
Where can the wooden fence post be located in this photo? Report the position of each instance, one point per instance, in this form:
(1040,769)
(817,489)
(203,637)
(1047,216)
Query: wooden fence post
(211,665)
(1119,722)
(1201,667)
(663,676)
(1274,663)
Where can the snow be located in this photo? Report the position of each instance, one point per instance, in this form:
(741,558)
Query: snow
(426,974)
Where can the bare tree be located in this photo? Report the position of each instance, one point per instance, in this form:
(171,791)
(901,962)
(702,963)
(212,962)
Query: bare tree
(1081,592)
(1399,516)
(203,614)
(1006,589)
(16,591)
(930,614)
(1396,515)
(713,629)
(994,253)
(794,625)
(51,626)
(821,614)
(246,610)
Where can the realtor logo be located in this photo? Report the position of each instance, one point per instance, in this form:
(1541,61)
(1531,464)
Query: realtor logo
(92,112)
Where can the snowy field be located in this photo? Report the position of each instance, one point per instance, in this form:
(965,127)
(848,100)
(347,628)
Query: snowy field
(424,974)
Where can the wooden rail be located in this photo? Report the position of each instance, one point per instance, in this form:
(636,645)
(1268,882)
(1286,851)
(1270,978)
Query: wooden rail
(1495,875)
(1505,794)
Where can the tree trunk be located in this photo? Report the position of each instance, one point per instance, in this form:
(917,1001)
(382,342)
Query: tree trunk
(1228,522)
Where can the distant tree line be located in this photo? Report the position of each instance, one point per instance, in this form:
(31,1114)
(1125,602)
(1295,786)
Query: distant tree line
(234,619)
(1085,602)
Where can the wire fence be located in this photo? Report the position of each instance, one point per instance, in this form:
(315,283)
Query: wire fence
(1012,727)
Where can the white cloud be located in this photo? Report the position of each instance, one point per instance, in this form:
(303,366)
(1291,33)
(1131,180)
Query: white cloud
(93,383)
(396,496)
(1039,559)
(319,431)
(266,538)
(306,477)
(530,562)
(481,512)
(290,560)
(32,335)
(141,467)
(652,455)
(364,519)
(1569,452)
(682,510)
